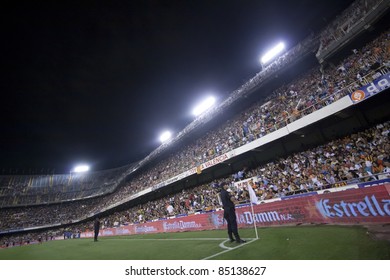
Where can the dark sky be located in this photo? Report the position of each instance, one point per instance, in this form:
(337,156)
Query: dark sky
(97,81)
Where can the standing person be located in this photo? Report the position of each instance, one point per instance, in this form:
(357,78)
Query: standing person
(96,227)
(170,209)
(229,214)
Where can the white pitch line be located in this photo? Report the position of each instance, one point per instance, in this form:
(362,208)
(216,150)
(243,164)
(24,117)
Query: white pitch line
(222,245)
(230,249)
(170,239)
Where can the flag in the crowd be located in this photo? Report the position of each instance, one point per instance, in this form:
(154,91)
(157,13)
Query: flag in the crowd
(252,194)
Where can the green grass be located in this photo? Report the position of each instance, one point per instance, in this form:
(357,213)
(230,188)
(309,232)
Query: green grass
(284,243)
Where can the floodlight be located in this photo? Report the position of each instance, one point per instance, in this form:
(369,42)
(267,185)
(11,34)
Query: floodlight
(205,105)
(81,168)
(165,136)
(272,53)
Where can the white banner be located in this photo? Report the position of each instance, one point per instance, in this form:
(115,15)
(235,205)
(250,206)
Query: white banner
(190,269)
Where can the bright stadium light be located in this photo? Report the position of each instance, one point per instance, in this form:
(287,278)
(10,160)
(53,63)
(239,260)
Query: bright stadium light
(165,136)
(272,53)
(81,168)
(205,105)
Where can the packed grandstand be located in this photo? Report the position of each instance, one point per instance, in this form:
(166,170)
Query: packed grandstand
(297,127)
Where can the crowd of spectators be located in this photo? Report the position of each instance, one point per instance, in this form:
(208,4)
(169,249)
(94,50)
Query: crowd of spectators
(55,214)
(356,158)
(37,189)
(360,157)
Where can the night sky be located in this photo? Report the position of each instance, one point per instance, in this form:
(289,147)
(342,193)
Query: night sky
(98,81)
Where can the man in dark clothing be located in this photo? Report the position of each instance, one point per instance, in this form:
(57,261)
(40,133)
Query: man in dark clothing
(229,214)
(96,227)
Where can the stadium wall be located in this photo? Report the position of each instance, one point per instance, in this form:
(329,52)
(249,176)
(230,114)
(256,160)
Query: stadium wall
(359,204)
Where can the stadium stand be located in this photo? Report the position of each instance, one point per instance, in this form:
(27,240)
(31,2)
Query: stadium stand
(22,190)
(359,157)
(356,158)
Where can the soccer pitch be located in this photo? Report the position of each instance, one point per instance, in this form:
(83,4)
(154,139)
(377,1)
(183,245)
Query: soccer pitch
(281,243)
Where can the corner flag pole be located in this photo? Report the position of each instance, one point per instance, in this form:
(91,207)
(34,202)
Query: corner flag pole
(253,200)
(254,220)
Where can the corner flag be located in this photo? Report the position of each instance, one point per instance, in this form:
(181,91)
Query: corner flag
(252,195)
(254,200)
